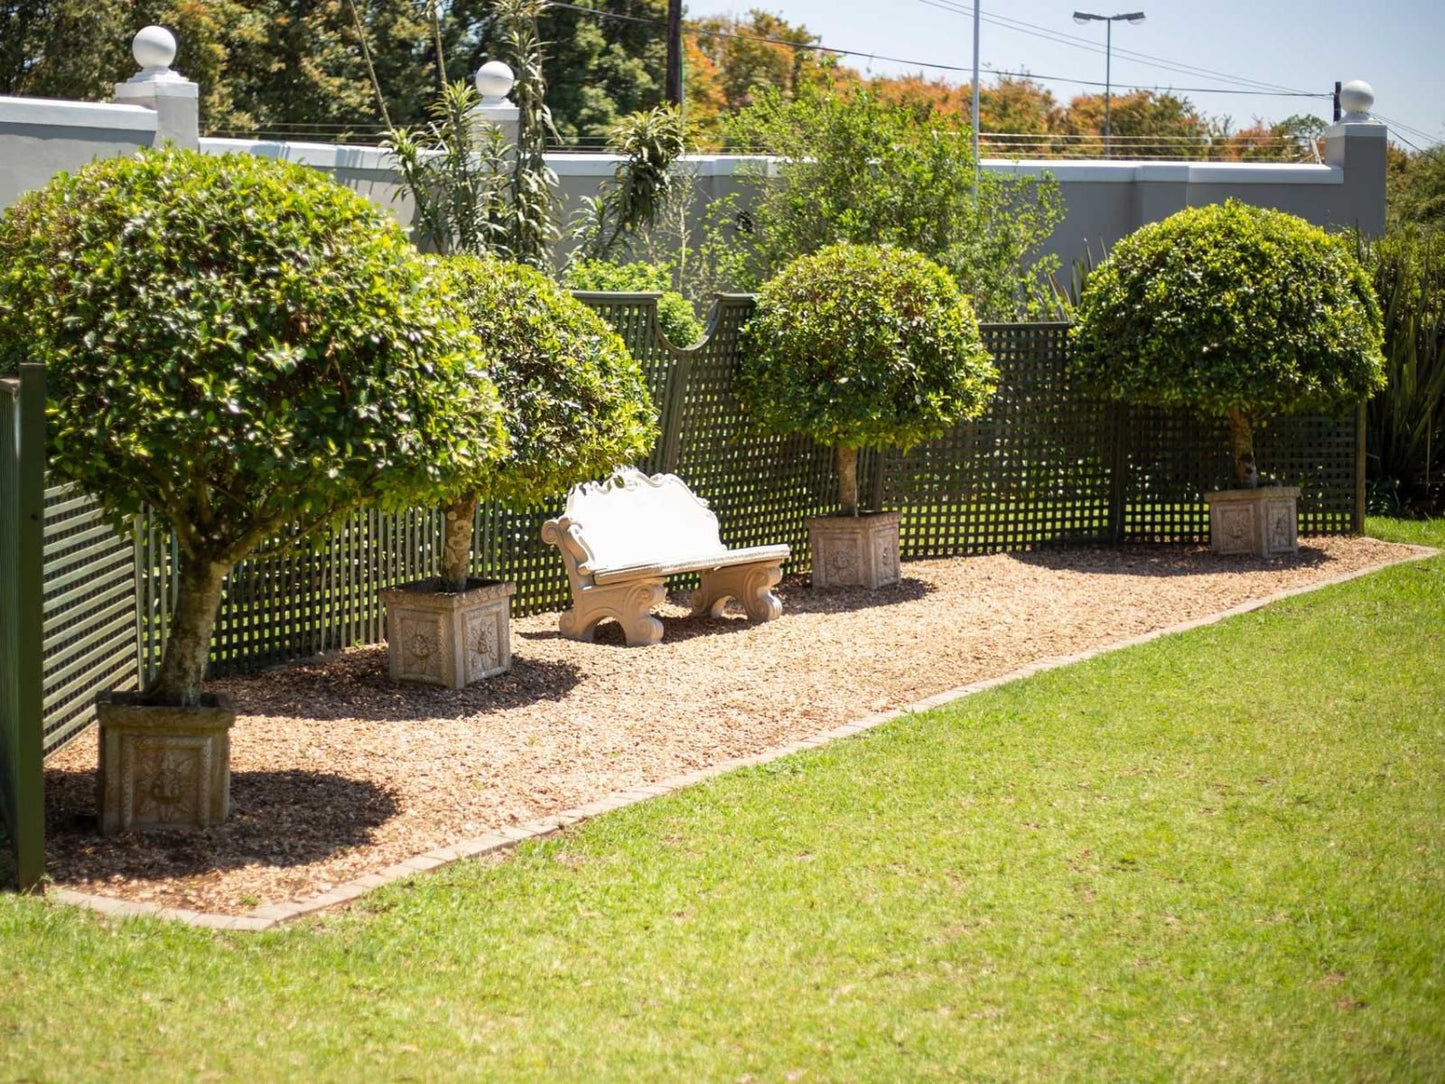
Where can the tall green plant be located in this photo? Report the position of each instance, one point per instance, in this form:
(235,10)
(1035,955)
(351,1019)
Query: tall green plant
(533,181)
(1405,430)
(457,181)
(641,189)
(475,193)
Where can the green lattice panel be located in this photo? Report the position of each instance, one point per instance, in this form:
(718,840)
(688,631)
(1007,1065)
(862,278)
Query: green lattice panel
(90,612)
(1171,458)
(1035,469)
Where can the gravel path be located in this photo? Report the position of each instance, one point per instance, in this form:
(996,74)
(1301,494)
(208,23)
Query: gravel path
(338,772)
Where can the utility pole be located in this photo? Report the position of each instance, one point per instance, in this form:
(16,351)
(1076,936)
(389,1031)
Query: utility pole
(977,4)
(674,52)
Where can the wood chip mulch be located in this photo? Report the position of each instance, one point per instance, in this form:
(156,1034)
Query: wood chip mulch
(338,772)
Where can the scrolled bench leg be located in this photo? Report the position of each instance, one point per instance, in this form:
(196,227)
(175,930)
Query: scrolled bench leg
(751,585)
(629,604)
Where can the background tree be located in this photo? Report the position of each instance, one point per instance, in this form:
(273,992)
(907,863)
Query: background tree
(1415,189)
(261,348)
(1234,311)
(863,346)
(855,168)
(1146,124)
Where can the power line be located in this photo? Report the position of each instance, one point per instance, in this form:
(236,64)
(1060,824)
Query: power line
(1074,41)
(818,48)
(1395,126)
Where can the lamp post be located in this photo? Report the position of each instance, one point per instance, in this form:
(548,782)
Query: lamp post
(1082,17)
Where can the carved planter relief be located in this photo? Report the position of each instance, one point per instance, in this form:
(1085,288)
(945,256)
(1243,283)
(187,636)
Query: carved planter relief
(855,551)
(163,767)
(1261,521)
(444,638)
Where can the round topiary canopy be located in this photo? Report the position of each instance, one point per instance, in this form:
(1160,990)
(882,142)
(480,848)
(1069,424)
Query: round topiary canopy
(1230,310)
(576,402)
(864,346)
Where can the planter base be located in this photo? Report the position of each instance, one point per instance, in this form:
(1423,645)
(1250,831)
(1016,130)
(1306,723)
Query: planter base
(1260,522)
(855,551)
(437,637)
(163,767)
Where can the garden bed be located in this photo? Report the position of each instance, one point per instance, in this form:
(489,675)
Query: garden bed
(338,772)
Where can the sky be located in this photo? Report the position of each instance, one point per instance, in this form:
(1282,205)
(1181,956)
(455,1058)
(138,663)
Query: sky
(1396,47)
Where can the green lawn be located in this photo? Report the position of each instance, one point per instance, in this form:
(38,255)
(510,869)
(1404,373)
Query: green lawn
(1220,856)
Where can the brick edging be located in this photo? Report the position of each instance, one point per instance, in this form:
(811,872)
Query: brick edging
(505,838)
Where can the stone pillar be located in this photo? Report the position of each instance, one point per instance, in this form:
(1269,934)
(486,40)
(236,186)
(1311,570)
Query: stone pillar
(175,98)
(494,81)
(1356,144)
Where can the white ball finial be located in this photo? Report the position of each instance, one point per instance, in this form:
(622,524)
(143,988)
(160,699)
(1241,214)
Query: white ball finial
(154,47)
(1356,99)
(494,81)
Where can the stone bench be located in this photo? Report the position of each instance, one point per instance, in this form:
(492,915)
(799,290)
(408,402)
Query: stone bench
(622,537)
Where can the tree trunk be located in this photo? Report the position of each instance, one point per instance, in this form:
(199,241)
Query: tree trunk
(188,647)
(1241,442)
(848,480)
(457,543)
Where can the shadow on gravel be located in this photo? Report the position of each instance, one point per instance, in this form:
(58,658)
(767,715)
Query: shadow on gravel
(1162,559)
(357,686)
(286,818)
(799,597)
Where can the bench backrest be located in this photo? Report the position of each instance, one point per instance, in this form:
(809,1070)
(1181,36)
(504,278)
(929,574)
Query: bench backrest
(633,519)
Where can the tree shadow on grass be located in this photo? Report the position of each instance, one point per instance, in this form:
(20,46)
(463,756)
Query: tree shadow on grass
(355,685)
(1164,559)
(284,818)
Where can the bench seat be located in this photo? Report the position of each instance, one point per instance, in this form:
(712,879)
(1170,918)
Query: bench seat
(725,559)
(622,537)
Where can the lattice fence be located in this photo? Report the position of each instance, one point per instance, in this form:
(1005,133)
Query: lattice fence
(91,612)
(1044,465)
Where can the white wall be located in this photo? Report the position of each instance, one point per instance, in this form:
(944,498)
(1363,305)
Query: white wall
(1103,200)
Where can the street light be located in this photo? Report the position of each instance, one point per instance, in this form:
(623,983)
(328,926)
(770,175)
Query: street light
(1083,17)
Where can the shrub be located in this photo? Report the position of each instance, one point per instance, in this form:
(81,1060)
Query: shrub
(1230,310)
(576,402)
(242,344)
(1405,433)
(863,346)
(674,315)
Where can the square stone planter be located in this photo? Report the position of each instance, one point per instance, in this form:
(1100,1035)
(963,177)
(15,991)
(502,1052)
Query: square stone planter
(163,767)
(855,551)
(448,638)
(1261,521)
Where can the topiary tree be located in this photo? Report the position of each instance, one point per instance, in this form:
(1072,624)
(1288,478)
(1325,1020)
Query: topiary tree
(576,402)
(863,346)
(241,344)
(1234,311)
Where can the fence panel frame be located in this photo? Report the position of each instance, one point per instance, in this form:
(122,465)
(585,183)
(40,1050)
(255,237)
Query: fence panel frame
(22,504)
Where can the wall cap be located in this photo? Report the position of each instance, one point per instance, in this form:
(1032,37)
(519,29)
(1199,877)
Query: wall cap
(54,112)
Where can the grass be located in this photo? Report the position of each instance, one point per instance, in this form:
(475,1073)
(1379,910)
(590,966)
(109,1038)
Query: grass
(1219,856)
